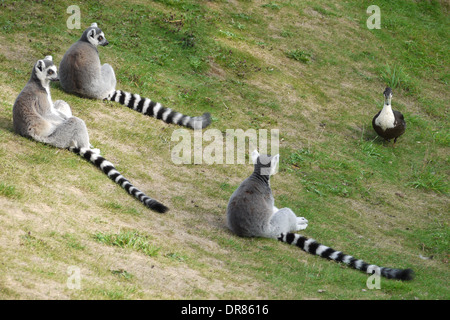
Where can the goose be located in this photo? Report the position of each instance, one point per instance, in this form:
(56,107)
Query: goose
(387,123)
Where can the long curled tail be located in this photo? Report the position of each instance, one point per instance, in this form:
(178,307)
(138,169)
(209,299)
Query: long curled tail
(313,247)
(156,110)
(108,168)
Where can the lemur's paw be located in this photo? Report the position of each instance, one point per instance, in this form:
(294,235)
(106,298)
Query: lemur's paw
(95,150)
(302,223)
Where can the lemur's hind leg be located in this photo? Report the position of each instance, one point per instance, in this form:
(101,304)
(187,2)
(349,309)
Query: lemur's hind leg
(301,223)
(285,220)
(71,132)
(63,107)
(108,80)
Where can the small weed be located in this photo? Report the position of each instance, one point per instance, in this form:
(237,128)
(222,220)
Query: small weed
(286,34)
(9,191)
(324,12)
(113,206)
(370,149)
(121,273)
(175,256)
(427,179)
(228,34)
(72,242)
(196,63)
(396,77)
(298,157)
(128,239)
(299,55)
(272,5)
(238,25)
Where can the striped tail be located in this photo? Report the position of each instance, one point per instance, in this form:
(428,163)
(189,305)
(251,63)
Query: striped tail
(108,168)
(156,110)
(313,247)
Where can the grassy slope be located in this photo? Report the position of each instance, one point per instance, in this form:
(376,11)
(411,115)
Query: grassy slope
(241,61)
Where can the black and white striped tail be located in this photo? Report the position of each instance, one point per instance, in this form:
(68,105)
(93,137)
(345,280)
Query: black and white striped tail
(108,168)
(156,110)
(313,247)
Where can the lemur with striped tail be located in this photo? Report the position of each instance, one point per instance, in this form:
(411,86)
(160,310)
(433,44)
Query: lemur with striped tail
(82,73)
(36,116)
(251,213)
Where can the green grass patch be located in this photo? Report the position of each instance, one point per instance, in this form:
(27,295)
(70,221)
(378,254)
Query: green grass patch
(299,55)
(9,191)
(429,179)
(396,77)
(129,240)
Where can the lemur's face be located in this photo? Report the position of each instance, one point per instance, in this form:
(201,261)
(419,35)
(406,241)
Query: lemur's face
(45,70)
(96,37)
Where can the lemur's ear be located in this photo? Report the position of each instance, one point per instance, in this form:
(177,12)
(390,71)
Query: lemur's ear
(94,25)
(40,65)
(91,33)
(255,155)
(274,164)
(48,58)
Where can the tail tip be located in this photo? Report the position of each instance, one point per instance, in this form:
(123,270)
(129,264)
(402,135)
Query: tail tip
(159,207)
(406,275)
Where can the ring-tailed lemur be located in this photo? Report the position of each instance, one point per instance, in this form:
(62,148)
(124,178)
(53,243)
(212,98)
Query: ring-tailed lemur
(37,117)
(82,73)
(251,213)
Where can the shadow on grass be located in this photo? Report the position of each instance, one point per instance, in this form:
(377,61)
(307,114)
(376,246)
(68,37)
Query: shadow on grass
(6,124)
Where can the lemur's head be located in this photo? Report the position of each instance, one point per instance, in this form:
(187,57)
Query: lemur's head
(95,36)
(45,71)
(265,165)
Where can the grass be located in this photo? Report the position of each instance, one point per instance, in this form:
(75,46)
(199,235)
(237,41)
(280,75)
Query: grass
(310,69)
(299,55)
(9,191)
(396,77)
(128,239)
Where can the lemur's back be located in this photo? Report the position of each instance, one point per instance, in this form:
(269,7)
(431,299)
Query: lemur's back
(29,105)
(250,207)
(84,64)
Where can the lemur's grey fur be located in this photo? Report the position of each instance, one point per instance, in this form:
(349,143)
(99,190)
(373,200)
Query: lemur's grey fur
(251,213)
(80,70)
(82,73)
(37,117)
